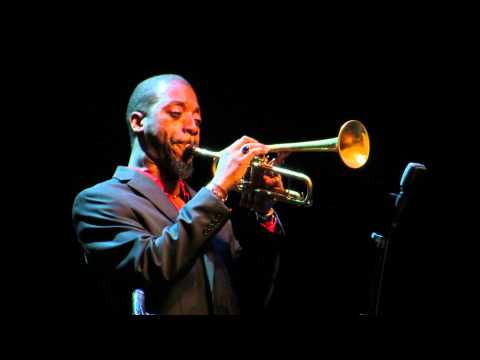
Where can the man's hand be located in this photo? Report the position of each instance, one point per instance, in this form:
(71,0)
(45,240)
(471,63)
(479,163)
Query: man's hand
(235,160)
(261,202)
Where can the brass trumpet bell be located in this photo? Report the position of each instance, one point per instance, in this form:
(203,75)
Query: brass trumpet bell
(352,144)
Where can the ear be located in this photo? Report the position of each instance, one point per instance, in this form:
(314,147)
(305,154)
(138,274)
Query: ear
(136,121)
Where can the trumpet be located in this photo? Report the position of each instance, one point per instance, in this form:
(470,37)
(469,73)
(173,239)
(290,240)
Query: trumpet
(352,145)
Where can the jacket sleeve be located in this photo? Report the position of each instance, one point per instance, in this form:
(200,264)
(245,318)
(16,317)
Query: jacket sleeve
(115,240)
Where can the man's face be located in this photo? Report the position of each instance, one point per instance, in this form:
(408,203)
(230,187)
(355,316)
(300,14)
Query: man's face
(172,124)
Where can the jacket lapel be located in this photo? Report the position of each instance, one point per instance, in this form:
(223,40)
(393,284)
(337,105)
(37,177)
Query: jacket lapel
(148,189)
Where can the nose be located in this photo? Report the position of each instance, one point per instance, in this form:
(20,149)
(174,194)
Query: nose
(190,126)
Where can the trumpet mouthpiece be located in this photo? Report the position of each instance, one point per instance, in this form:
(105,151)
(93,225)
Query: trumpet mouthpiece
(188,153)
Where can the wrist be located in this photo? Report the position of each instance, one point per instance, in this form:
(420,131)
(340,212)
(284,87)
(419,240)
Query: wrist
(218,191)
(223,183)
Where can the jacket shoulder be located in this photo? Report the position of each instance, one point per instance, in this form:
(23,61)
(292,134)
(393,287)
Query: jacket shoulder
(107,192)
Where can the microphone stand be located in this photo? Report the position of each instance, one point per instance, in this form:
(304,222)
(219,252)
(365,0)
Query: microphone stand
(383,243)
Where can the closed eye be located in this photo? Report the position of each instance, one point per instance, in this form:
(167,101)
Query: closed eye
(175,114)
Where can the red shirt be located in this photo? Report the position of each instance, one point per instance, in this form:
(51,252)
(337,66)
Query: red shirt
(184,194)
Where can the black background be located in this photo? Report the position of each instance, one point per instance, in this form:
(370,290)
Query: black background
(276,90)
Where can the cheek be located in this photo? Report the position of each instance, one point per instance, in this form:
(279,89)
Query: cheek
(157,129)
(154,135)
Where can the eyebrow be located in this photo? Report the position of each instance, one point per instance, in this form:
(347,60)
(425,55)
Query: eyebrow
(182,104)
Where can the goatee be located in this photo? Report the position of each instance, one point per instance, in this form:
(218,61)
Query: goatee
(177,168)
(181,168)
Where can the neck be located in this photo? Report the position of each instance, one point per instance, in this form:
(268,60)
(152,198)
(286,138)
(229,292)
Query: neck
(139,159)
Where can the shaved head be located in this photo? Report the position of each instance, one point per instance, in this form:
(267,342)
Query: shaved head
(147,94)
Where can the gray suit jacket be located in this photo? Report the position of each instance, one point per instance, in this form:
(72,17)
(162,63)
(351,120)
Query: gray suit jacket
(149,256)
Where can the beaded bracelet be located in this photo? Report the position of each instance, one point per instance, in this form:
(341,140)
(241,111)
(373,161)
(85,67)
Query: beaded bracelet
(218,191)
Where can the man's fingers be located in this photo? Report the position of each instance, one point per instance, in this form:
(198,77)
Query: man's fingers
(270,181)
(273,182)
(242,141)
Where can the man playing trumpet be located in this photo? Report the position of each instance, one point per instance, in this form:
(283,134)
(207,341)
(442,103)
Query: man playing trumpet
(159,247)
